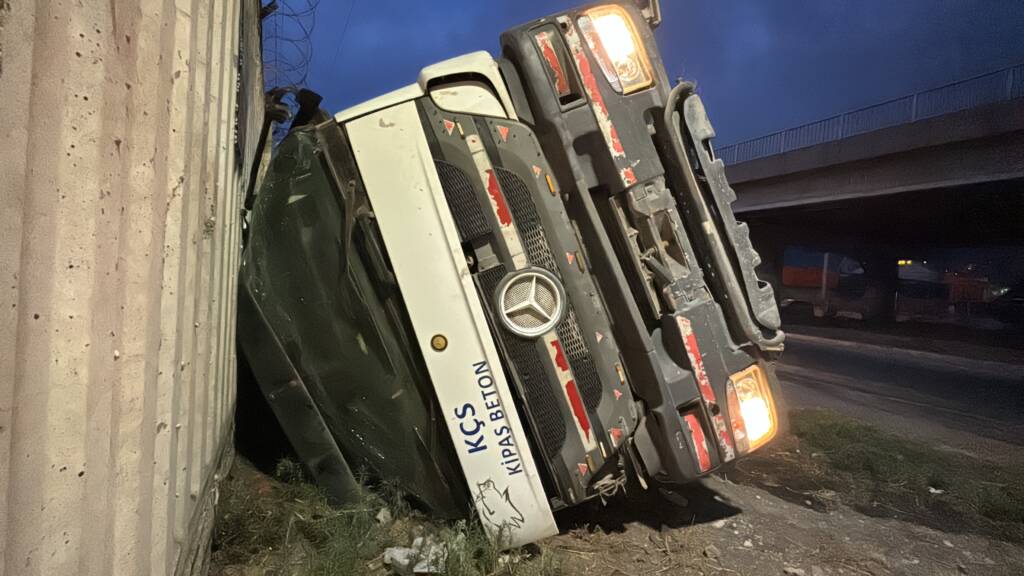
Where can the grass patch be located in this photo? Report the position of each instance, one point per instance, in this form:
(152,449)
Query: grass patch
(284,525)
(882,474)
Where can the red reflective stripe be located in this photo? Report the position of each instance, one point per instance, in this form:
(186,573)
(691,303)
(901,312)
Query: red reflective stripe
(706,391)
(561,84)
(724,440)
(590,84)
(503,132)
(693,352)
(500,207)
(571,393)
(577,407)
(559,356)
(699,443)
(627,176)
(614,134)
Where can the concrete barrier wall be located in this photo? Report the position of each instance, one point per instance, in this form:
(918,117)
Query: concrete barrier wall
(119,204)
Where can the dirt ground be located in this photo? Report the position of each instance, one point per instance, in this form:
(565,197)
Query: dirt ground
(834,496)
(735,523)
(728,528)
(878,491)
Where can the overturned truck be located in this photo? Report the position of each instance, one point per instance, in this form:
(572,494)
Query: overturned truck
(513,286)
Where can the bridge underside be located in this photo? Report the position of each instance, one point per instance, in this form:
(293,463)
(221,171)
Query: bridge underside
(958,216)
(879,230)
(973,146)
(932,186)
(958,165)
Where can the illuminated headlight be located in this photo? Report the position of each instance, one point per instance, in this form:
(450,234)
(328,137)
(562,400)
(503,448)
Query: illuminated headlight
(613,40)
(751,408)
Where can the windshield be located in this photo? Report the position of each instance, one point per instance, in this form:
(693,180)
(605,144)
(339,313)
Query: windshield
(340,328)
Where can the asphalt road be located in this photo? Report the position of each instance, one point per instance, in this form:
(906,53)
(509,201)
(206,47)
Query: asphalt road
(964,404)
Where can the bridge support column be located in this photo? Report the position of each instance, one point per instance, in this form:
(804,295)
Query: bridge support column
(770,245)
(881,275)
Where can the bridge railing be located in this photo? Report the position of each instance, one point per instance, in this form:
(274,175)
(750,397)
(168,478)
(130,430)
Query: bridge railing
(998,86)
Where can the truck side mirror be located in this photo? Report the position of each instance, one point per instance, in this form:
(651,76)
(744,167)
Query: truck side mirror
(651,9)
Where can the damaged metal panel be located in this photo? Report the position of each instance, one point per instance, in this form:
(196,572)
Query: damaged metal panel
(120,197)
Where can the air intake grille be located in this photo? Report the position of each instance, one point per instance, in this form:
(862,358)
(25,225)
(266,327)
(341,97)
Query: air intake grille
(579,358)
(539,251)
(458,191)
(526,363)
(527,222)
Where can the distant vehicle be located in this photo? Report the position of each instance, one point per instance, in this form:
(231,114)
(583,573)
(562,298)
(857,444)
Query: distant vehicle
(830,284)
(1009,307)
(516,284)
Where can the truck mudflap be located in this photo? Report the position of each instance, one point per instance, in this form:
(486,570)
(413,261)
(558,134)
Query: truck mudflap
(451,330)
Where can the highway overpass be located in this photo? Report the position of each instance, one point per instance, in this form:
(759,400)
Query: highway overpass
(965,133)
(939,169)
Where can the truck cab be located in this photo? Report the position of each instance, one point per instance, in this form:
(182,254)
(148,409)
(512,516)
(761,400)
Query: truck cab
(514,285)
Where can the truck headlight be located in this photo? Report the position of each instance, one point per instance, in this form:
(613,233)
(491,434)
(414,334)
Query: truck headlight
(613,40)
(751,408)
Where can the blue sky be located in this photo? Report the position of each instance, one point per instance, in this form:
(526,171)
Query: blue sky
(760,65)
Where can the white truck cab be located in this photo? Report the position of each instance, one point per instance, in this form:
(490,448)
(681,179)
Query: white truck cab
(515,285)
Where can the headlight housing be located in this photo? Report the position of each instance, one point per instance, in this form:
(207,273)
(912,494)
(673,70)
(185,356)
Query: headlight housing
(613,40)
(751,409)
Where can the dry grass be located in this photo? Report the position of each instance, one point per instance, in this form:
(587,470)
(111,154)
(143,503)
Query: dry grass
(285,526)
(886,475)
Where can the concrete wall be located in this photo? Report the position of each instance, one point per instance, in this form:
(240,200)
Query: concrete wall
(119,199)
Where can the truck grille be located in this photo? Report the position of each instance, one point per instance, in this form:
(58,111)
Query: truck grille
(458,191)
(539,251)
(526,364)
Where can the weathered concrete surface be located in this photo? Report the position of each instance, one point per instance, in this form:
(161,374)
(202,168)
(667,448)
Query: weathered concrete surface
(119,196)
(978,145)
